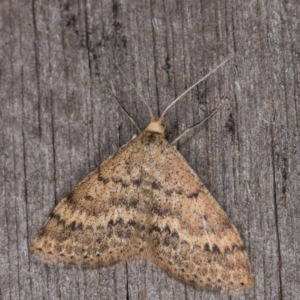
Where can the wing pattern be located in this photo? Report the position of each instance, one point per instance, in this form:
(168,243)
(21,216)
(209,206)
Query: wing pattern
(146,202)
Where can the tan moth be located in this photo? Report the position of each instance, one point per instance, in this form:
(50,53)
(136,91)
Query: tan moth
(145,202)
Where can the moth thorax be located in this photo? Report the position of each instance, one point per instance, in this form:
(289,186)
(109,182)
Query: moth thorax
(156,126)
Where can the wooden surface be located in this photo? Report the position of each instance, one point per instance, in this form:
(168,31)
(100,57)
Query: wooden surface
(59,121)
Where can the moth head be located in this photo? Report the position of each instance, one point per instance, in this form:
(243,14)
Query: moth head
(156,126)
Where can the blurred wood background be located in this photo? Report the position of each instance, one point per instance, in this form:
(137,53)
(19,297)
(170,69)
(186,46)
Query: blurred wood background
(59,121)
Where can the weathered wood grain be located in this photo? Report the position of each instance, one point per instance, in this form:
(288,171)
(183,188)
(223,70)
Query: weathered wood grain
(59,121)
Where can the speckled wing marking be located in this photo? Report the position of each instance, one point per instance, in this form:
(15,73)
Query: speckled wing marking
(100,223)
(191,237)
(146,202)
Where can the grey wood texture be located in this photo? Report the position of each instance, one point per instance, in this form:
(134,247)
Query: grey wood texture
(59,121)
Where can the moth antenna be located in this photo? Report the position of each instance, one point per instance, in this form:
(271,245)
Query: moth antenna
(191,87)
(130,82)
(123,109)
(199,123)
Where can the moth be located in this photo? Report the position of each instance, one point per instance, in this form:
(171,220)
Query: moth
(145,202)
